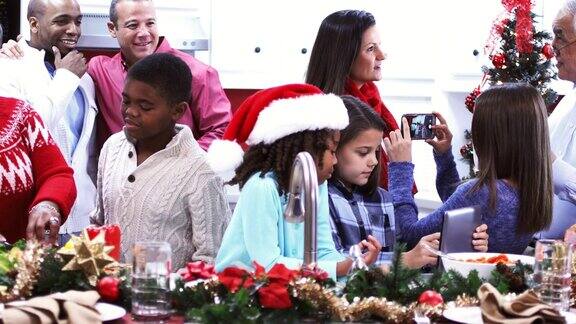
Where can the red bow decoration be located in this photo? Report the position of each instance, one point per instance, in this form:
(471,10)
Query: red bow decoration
(197,270)
(524,34)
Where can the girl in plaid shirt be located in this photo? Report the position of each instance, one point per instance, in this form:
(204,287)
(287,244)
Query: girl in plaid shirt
(359,209)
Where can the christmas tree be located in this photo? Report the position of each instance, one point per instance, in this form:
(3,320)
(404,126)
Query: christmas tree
(519,53)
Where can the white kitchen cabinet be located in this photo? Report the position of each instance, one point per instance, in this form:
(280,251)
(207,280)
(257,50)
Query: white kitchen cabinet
(258,44)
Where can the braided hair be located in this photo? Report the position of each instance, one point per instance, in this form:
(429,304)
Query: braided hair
(279,156)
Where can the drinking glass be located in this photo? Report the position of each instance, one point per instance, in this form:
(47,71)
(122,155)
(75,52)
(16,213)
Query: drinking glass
(552,272)
(151,269)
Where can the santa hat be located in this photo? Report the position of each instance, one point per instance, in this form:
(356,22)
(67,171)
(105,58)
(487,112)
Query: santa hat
(271,114)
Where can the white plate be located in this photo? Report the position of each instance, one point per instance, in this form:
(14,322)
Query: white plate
(473,315)
(109,312)
(468,315)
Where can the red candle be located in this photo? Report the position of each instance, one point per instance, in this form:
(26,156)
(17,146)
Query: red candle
(111,237)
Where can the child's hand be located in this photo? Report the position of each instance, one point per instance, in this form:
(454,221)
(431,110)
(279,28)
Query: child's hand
(443,141)
(420,256)
(374,247)
(480,238)
(398,147)
(11,49)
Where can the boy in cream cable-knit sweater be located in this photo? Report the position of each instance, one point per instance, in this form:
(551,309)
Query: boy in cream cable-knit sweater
(153,178)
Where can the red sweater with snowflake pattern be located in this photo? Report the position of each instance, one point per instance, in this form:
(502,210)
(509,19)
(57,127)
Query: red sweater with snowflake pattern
(32,168)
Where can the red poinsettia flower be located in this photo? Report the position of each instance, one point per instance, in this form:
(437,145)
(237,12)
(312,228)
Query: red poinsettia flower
(196,270)
(259,271)
(275,296)
(279,274)
(315,273)
(234,278)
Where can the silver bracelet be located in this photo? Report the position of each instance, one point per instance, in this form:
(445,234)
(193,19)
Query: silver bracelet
(47,206)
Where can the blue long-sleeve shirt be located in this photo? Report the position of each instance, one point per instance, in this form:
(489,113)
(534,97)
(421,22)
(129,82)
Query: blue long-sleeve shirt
(258,231)
(502,222)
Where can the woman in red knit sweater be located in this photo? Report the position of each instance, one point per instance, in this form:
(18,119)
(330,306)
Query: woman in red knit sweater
(346,59)
(36,185)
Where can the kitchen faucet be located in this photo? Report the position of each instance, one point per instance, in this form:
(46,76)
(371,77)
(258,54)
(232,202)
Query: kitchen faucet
(304,186)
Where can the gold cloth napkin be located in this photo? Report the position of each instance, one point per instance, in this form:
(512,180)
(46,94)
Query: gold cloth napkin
(62,308)
(525,308)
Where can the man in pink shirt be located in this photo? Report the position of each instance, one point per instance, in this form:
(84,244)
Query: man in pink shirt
(133,24)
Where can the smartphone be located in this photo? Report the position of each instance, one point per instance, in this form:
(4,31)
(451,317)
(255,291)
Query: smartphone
(421,125)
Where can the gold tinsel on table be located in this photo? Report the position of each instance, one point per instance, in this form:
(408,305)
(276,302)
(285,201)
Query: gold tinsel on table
(388,311)
(90,256)
(27,268)
(325,301)
(465,301)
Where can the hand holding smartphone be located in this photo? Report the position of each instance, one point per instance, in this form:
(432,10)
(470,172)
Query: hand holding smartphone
(421,125)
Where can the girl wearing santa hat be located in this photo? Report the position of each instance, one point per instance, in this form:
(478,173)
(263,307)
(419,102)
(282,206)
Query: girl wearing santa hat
(276,124)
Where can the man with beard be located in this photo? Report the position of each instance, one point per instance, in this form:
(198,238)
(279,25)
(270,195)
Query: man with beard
(51,76)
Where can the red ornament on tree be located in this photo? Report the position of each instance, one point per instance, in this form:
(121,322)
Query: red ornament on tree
(548,51)
(498,60)
(471,99)
(430,298)
(108,288)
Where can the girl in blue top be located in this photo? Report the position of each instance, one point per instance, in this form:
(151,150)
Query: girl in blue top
(358,207)
(514,182)
(277,124)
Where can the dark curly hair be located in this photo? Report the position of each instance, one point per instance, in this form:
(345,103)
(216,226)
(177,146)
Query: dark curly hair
(279,156)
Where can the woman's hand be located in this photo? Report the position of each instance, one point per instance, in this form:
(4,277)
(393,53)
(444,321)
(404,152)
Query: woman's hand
(420,256)
(44,219)
(373,246)
(480,238)
(443,141)
(398,147)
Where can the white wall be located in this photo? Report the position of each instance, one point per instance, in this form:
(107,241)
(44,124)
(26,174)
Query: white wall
(430,65)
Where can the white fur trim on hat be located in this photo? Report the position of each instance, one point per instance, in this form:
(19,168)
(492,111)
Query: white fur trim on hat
(224,156)
(288,116)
